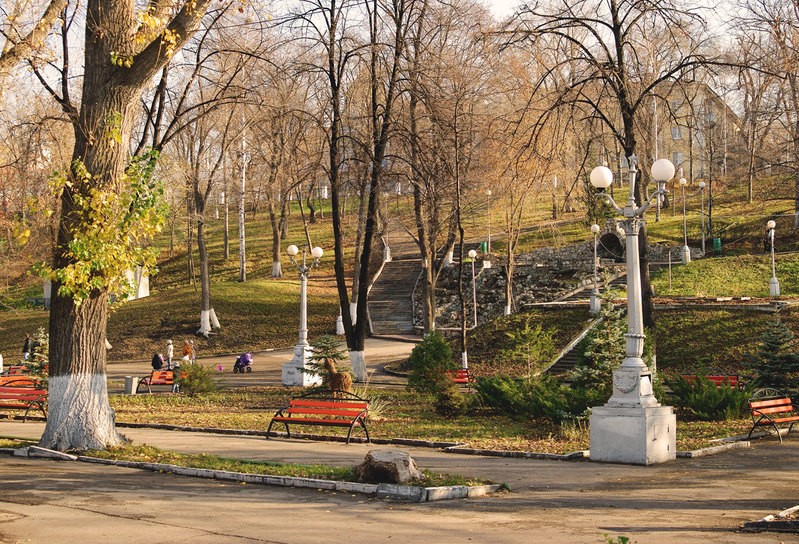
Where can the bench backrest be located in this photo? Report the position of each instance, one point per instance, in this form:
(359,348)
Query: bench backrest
(162,377)
(719,380)
(18,381)
(22,393)
(328,407)
(17,370)
(772,406)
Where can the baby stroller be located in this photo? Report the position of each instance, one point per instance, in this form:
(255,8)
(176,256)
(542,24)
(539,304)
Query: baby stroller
(243,363)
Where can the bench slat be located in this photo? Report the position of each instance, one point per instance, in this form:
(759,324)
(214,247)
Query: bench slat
(329,403)
(313,421)
(759,404)
(325,412)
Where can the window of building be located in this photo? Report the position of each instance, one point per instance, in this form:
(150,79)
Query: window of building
(676,134)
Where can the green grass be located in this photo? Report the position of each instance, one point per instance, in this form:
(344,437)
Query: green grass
(150,454)
(739,276)
(691,340)
(407,415)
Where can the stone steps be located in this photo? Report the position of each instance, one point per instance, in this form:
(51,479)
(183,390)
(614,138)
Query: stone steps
(391,297)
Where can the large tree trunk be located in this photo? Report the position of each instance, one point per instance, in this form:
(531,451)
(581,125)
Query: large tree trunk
(79,415)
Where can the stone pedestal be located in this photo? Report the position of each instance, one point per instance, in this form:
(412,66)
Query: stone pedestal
(774,287)
(633,435)
(685,254)
(293,375)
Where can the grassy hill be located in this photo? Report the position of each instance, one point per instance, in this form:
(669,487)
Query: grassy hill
(263,312)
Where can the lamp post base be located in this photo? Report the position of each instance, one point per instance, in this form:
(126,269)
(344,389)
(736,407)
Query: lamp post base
(774,287)
(633,435)
(340,325)
(595,304)
(685,253)
(293,372)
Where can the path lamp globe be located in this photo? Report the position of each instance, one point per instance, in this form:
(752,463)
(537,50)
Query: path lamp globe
(686,251)
(774,285)
(296,371)
(596,301)
(702,212)
(632,427)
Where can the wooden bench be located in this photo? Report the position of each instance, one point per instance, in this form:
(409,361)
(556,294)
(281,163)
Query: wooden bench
(23,393)
(18,370)
(720,380)
(28,381)
(327,409)
(461,376)
(159,377)
(772,412)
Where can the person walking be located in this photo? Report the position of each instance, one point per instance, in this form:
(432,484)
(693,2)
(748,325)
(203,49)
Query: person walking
(170,352)
(188,352)
(26,347)
(193,351)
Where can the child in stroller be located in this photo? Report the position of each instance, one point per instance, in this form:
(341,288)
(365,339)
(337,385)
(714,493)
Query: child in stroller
(243,363)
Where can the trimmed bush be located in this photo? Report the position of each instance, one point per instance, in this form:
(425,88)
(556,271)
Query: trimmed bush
(703,400)
(429,362)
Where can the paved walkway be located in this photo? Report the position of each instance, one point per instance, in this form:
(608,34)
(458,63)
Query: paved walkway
(267,365)
(690,500)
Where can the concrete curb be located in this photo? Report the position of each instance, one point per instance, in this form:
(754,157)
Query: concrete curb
(776,523)
(382,491)
(393,492)
(712,450)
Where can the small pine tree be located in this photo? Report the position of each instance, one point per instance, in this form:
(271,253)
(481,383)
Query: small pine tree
(605,349)
(531,344)
(325,348)
(776,363)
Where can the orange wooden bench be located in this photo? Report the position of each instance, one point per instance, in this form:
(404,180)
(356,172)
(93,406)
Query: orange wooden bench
(158,377)
(24,394)
(18,370)
(334,409)
(461,376)
(772,412)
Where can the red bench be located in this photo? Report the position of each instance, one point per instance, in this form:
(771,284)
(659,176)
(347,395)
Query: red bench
(333,409)
(772,412)
(159,377)
(718,379)
(18,370)
(23,393)
(461,376)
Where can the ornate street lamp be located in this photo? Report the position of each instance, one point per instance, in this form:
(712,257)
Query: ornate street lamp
(686,251)
(596,301)
(632,427)
(774,285)
(294,372)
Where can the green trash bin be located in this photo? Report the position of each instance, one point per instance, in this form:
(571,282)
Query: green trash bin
(483,247)
(717,246)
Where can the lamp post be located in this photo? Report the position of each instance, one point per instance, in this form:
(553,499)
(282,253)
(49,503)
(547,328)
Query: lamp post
(472,257)
(632,427)
(774,285)
(596,301)
(294,372)
(686,251)
(488,251)
(702,211)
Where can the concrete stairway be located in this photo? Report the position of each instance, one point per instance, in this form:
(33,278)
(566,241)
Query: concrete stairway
(391,298)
